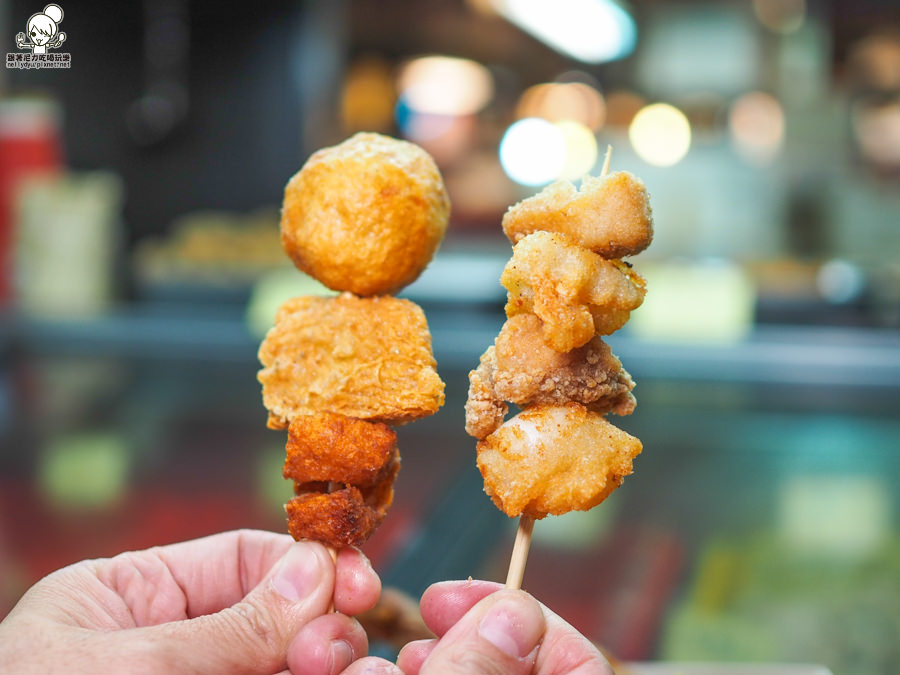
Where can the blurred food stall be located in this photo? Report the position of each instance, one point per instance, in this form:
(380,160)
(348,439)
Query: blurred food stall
(140,265)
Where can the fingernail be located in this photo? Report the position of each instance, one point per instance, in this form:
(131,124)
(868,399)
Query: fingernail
(341,656)
(298,573)
(514,627)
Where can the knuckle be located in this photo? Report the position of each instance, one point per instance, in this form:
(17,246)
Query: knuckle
(256,625)
(472,661)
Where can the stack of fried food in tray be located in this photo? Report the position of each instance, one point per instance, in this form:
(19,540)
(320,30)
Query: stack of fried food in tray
(364,218)
(567,285)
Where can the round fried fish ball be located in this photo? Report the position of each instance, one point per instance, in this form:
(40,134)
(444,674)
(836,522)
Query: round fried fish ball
(609,215)
(554,459)
(575,292)
(365,216)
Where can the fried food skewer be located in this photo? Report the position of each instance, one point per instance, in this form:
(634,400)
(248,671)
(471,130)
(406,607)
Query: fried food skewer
(519,558)
(364,218)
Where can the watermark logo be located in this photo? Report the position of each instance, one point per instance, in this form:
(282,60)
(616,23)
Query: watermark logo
(41,34)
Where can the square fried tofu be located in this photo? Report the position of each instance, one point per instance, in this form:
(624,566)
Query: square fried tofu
(368,358)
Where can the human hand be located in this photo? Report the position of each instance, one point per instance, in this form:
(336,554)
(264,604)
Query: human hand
(483,628)
(244,601)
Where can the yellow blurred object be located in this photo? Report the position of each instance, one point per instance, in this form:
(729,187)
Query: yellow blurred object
(272,290)
(213,247)
(660,134)
(67,238)
(698,302)
(558,101)
(368,97)
(839,515)
(84,470)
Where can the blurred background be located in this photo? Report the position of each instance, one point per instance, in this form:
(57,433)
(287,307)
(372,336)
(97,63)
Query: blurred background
(140,266)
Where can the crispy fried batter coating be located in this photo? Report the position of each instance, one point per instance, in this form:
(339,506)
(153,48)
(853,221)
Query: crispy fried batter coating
(484,409)
(368,358)
(332,447)
(575,292)
(365,216)
(610,215)
(344,517)
(522,369)
(554,459)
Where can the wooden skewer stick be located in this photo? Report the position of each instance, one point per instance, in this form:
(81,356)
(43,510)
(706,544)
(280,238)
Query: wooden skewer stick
(605,169)
(333,487)
(520,553)
(526,523)
(334,554)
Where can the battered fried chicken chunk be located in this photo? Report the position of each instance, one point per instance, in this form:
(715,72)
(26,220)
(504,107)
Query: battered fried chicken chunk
(343,517)
(575,292)
(365,216)
(332,447)
(554,459)
(522,369)
(610,215)
(368,358)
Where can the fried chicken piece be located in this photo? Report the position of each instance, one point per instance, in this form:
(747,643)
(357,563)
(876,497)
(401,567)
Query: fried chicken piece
(484,409)
(522,369)
(368,358)
(332,447)
(344,517)
(365,216)
(554,459)
(575,292)
(610,215)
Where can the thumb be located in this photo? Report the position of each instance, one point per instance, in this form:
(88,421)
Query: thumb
(253,634)
(500,634)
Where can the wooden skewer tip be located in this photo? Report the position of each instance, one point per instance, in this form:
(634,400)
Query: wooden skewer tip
(606,161)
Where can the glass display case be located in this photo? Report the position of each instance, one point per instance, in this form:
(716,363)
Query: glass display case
(760,524)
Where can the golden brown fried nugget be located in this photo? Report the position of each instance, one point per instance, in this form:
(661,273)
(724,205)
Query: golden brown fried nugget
(522,369)
(345,517)
(332,447)
(365,216)
(336,519)
(610,215)
(576,293)
(554,459)
(368,358)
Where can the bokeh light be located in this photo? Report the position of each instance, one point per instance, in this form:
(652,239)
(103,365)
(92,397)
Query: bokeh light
(780,16)
(876,128)
(444,85)
(557,101)
(660,134)
(580,149)
(756,123)
(532,151)
(621,107)
(840,281)
(592,31)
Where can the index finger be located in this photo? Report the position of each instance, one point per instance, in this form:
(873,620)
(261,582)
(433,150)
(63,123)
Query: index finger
(211,573)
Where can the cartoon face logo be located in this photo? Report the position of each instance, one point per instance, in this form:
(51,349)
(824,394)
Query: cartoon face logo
(43,31)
